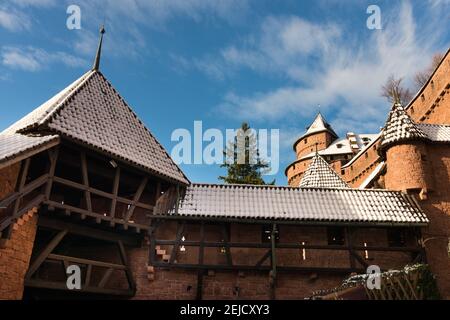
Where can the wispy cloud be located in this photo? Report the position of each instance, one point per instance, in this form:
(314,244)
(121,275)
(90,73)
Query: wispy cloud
(13,20)
(33,3)
(35,59)
(324,64)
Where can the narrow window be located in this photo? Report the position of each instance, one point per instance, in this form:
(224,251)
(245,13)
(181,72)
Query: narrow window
(366,252)
(182,247)
(304,251)
(396,237)
(335,236)
(266,236)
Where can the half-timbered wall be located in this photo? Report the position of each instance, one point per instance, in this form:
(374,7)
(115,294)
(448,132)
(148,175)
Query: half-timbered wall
(228,268)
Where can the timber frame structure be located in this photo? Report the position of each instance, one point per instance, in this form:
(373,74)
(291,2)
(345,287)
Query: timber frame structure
(164,252)
(118,211)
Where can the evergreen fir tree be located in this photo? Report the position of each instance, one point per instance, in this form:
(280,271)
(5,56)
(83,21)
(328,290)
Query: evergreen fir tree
(244,165)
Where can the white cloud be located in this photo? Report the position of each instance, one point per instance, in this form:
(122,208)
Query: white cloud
(33,3)
(35,59)
(13,20)
(328,66)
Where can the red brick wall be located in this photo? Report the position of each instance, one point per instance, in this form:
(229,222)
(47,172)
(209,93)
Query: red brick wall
(407,167)
(15,253)
(15,258)
(182,284)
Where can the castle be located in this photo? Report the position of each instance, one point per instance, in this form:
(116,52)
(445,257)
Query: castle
(411,154)
(83,183)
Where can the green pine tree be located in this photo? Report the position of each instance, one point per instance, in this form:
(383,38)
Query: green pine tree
(246,166)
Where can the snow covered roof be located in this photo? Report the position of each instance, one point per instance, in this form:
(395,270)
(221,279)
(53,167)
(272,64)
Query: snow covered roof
(320,175)
(400,127)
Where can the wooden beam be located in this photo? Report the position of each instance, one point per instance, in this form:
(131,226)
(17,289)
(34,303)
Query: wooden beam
(88,276)
(53,157)
(105,278)
(29,154)
(129,274)
(45,253)
(94,263)
(266,256)
(85,176)
(273,271)
(88,232)
(54,204)
(226,239)
(136,198)
(33,185)
(43,284)
(115,191)
(176,247)
(290,222)
(349,236)
(288,246)
(100,193)
(35,202)
(199,294)
(327,270)
(21,184)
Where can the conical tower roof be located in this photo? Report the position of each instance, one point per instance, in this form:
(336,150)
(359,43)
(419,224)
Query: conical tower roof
(400,127)
(92,113)
(320,175)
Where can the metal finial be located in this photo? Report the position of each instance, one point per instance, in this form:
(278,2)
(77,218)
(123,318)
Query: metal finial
(396,97)
(99,50)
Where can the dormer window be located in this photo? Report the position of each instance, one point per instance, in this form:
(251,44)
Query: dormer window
(339,145)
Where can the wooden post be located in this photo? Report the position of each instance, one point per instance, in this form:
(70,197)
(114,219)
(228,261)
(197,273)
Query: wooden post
(23,179)
(115,191)
(349,236)
(273,273)
(85,175)
(176,247)
(45,253)
(53,157)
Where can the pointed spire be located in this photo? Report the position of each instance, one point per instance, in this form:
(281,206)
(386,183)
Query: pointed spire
(400,127)
(320,175)
(319,124)
(98,56)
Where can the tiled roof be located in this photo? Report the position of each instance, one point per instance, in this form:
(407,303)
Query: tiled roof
(16,144)
(298,204)
(400,127)
(92,112)
(320,175)
(436,132)
(319,124)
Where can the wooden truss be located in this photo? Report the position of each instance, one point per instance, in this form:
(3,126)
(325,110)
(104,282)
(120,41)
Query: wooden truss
(44,187)
(46,255)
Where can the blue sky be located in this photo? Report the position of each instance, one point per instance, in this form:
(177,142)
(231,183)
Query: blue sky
(223,62)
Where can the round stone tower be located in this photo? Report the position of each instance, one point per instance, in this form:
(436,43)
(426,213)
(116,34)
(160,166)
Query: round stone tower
(319,136)
(403,145)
